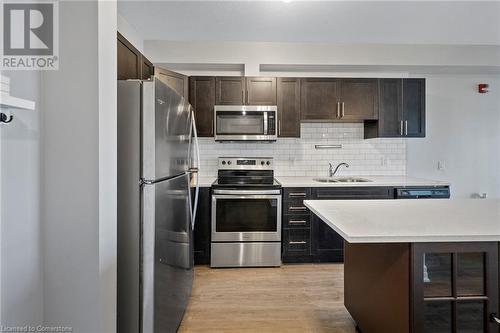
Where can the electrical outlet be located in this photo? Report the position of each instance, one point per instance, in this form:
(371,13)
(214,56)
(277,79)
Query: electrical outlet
(441,165)
(383,161)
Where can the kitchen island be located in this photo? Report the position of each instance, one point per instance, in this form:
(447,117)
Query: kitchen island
(418,265)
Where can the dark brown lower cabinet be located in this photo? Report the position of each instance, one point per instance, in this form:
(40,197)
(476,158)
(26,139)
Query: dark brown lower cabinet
(305,237)
(422,287)
(202,229)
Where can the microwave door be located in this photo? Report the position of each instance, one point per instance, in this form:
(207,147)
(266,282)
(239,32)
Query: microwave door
(239,124)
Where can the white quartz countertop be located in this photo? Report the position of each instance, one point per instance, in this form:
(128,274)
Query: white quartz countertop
(375,181)
(206,181)
(408,221)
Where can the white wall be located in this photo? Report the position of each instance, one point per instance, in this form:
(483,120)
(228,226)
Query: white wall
(463,131)
(129,32)
(78,190)
(369,57)
(21,290)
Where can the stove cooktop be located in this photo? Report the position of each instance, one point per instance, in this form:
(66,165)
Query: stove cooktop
(246,185)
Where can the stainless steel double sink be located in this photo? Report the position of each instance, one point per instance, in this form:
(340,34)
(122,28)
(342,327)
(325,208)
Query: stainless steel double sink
(342,180)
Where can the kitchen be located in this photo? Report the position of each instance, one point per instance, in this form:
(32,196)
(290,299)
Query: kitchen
(268,144)
(276,169)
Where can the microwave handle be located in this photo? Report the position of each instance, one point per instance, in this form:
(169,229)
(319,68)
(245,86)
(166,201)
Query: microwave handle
(265,124)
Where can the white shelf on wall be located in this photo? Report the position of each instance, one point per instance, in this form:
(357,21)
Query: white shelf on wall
(10,102)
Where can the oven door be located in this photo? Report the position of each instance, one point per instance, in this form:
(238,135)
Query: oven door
(246,216)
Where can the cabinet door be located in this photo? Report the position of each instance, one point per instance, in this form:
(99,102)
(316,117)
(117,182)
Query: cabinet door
(390,108)
(289,107)
(202,98)
(455,287)
(319,99)
(229,90)
(260,91)
(202,228)
(359,99)
(414,107)
(174,80)
(327,245)
(128,60)
(147,68)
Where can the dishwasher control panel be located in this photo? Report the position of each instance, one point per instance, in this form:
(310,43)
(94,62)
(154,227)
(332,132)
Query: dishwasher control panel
(441,192)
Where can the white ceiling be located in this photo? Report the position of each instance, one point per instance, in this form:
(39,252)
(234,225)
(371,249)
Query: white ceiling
(391,22)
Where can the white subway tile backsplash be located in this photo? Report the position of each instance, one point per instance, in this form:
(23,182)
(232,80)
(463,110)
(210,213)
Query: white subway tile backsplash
(298,157)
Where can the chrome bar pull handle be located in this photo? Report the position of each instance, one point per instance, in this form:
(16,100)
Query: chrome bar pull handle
(338,110)
(401,127)
(343,110)
(279,127)
(297,208)
(297,222)
(406,127)
(297,242)
(297,194)
(494,318)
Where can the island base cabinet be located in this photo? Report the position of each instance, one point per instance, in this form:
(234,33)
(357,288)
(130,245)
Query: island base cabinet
(422,287)
(376,286)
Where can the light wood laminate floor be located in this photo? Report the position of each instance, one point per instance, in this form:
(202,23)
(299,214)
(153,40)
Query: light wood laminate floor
(291,298)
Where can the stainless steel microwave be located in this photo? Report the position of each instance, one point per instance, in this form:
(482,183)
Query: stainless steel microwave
(245,123)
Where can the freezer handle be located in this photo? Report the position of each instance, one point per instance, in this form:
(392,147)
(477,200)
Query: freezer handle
(195,170)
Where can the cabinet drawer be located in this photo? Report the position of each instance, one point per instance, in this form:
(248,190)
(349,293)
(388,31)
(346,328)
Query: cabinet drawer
(296,193)
(353,193)
(294,208)
(296,242)
(297,221)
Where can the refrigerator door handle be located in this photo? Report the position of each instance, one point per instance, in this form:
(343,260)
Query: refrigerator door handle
(195,170)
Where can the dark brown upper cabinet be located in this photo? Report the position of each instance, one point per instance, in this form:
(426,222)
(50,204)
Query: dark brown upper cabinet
(288,107)
(401,110)
(359,99)
(347,100)
(414,107)
(178,82)
(260,91)
(147,69)
(230,90)
(131,64)
(319,99)
(202,98)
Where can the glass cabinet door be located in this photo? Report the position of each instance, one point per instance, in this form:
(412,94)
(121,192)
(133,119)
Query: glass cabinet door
(455,287)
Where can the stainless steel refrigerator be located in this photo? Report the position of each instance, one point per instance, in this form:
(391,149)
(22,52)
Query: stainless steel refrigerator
(156,142)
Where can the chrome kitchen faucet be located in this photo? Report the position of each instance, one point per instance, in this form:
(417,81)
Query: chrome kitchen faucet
(332,172)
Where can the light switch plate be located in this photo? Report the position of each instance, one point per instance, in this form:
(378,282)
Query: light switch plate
(441,165)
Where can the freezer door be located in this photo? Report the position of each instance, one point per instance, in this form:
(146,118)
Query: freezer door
(166,128)
(167,254)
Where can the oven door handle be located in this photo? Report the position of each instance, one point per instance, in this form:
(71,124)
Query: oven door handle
(246,196)
(246,192)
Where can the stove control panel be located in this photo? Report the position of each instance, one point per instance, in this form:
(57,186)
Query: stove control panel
(246,163)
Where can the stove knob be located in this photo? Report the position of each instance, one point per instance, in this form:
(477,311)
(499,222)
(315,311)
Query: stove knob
(262,162)
(228,162)
(223,162)
(268,163)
